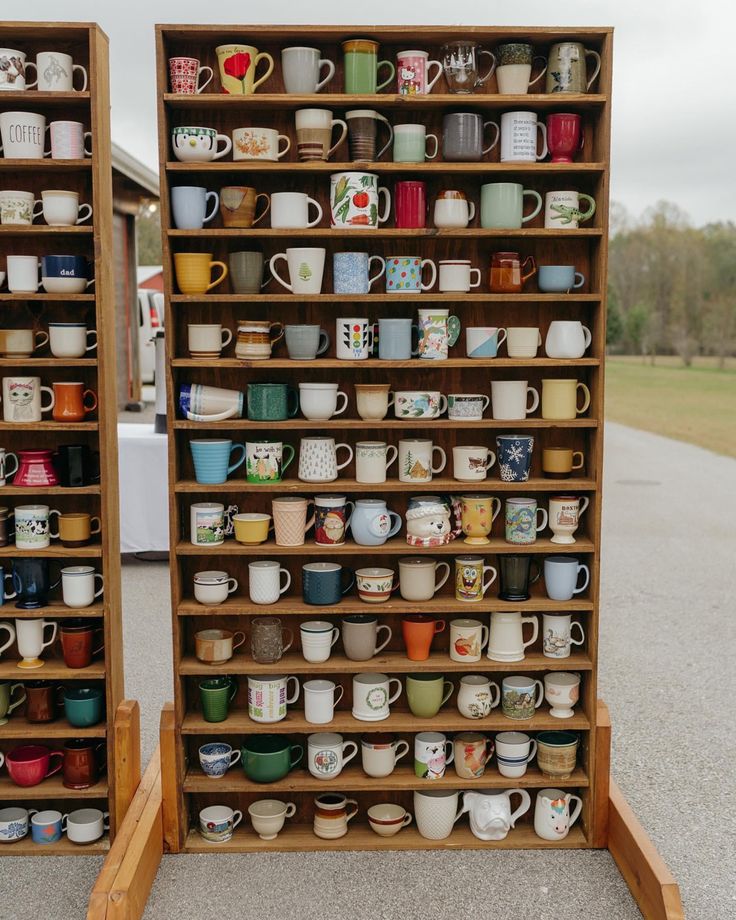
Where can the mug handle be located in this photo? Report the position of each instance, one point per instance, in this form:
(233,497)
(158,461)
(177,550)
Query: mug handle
(443,405)
(8,474)
(294,408)
(235,757)
(94,344)
(54,536)
(453,330)
(532,270)
(102,584)
(581,640)
(346,758)
(341,466)
(396,526)
(340,409)
(495,139)
(53,636)
(392,699)
(287,449)
(290,641)
(427,155)
(238,642)
(545,519)
(226,337)
(35,82)
(532,751)
(449,754)
(294,758)
(542,128)
(486,403)
(530,192)
(524,805)
(588,336)
(22,699)
(490,459)
(390,136)
(272,263)
(60,755)
(584,502)
(44,338)
(234,689)
(446,695)
(343,125)
(233,587)
(262,56)
(237,818)
(200,88)
(430,284)
(350,583)
(216,198)
(404,752)
(100,648)
(391,447)
(591,210)
(82,217)
(495,700)
(285,588)
(486,77)
(495,503)
(382,218)
(53,399)
(287,148)
(87,135)
(540,694)
(533,579)
(380,648)
(597,69)
(443,460)
(484,631)
(279,335)
(330,73)
(535,631)
(439,626)
(324,342)
(219,154)
(580,283)
(535,400)
(486,586)
(578,466)
(477,270)
(340,694)
(442,579)
(586,399)
(9,595)
(317,219)
(220,278)
(94,398)
(435,78)
(349,815)
(265,210)
(542,72)
(391,75)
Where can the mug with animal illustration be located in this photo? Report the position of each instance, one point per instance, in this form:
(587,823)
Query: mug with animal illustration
(438,332)
(557,634)
(433,753)
(412,73)
(22,399)
(14,70)
(207,523)
(266,461)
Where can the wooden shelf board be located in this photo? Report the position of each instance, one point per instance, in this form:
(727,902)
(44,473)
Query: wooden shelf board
(447,719)
(51,788)
(48,362)
(486,101)
(439,167)
(45,165)
(63,847)
(381,296)
(440,605)
(339,234)
(340,424)
(59,729)
(440,483)
(54,610)
(354,779)
(30,97)
(361,837)
(43,229)
(53,669)
(8,491)
(385,662)
(55,550)
(394,546)
(44,297)
(48,426)
(377,364)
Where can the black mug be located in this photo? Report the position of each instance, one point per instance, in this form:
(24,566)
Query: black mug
(32,583)
(515,576)
(77,465)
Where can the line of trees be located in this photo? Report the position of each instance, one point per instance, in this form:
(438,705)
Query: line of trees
(671,286)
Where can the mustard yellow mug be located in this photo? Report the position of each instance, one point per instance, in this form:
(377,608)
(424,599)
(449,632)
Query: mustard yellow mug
(559,398)
(194,270)
(252,528)
(238,65)
(478,512)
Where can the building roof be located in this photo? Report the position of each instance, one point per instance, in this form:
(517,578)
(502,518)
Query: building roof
(134,170)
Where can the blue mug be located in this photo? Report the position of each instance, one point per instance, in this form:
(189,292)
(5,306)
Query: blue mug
(483,341)
(350,272)
(559,279)
(83,706)
(514,455)
(212,457)
(394,339)
(189,206)
(5,595)
(31,583)
(65,274)
(322,583)
(46,826)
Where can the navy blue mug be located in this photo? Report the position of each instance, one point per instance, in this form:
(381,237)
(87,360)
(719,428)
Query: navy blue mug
(65,274)
(32,583)
(322,583)
(5,594)
(514,455)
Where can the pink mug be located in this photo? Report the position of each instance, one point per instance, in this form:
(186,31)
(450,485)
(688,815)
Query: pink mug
(68,140)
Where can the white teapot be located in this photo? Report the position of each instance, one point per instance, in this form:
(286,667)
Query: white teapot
(567,338)
(490,812)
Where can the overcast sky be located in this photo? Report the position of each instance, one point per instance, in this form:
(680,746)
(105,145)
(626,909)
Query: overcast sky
(673,133)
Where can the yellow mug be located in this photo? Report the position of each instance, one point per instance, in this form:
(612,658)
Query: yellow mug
(194,270)
(252,528)
(559,398)
(237,65)
(478,512)
(76,529)
(559,462)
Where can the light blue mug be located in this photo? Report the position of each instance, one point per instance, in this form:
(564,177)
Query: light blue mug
(559,279)
(394,339)
(189,206)
(216,758)
(46,826)
(212,458)
(351,272)
(483,341)
(502,205)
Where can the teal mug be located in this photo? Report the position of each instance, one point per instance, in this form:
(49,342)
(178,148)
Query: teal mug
(216,694)
(269,758)
(84,706)
(502,205)
(271,402)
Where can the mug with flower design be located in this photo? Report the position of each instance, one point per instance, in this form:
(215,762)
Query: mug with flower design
(238,65)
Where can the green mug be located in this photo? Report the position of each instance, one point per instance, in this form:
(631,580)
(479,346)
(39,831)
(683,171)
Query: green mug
(269,402)
(216,694)
(83,706)
(502,205)
(6,694)
(269,758)
(362,66)
(427,693)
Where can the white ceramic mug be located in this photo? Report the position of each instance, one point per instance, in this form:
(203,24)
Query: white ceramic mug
(509,399)
(557,636)
(78,585)
(56,72)
(353,338)
(519,138)
(268,816)
(567,339)
(85,825)
(268,697)
(436,811)
(23,275)
(416,460)
(327,753)
(418,578)
(264,581)
(380,754)
(565,512)
(21,343)
(68,140)
(522,341)
(207,523)
(372,696)
(306,267)
(319,401)
(320,699)
(259,144)
(471,464)
(552,818)
(562,210)
(506,639)
(290,211)
(62,208)
(32,526)
(31,641)
(372,461)
(301,67)
(18,208)
(22,399)
(468,638)
(206,340)
(456,275)
(318,459)
(514,751)
(213,587)
(561,691)
(451,213)
(318,638)
(23,135)
(69,340)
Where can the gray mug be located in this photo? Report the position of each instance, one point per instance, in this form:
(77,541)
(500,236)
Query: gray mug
(561,577)
(246,272)
(462,136)
(394,339)
(305,342)
(189,206)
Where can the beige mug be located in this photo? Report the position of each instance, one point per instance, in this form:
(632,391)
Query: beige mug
(418,578)
(206,340)
(373,400)
(559,398)
(290,513)
(523,341)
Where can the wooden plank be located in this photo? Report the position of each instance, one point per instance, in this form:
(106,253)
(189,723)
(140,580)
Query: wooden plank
(347,484)
(598,832)
(645,872)
(388,167)
(51,788)
(379,296)
(172,818)
(419,366)
(301,424)
(126,760)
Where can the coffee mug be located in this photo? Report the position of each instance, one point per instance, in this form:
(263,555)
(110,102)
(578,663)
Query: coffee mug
(351,272)
(517,572)
(363,125)
(416,460)
(559,279)
(30,764)
(506,638)
(301,69)
(418,578)
(264,581)
(520,134)
(427,693)
(22,134)
(215,695)
(410,144)
(216,646)
(514,456)
(76,528)
(375,584)
(467,407)
(452,210)
(523,521)
(360,636)
(353,338)
(404,274)
(562,210)
(246,271)
(567,68)
(72,402)
(523,341)
(207,523)
(373,460)
(213,587)
(515,61)
(21,343)
(269,640)
(267,461)
(256,339)
(30,636)
(318,459)
(185,73)
(332,514)
(372,696)
(46,826)
(68,140)
(319,401)
(193,272)
(14,71)
(269,758)
(521,697)
(562,692)
(361,66)
(271,402)
(212,459)
(472,753)
(416,404)
(557,753)
(83,760)
(320,699)
(354,201)
(565,512)
(561,577)
(216,758)
(69,340)
(502,205)
(318,638)
(331,815)
(510,399)
(189,206)
(305,266)
(478,514)
(410,203)
(22,399)
(457,276)
(372,400)
(314,128)
(483,341)
(14,823)
(7,703)
(290,520)
(290,211)
(237,64)
(460,62)
(433,753)
(197,144)
(380,754)
(557,638)
(84,706)
(559,398)
(305,342)
(322,583)
(206,340)
(470,583)
(418,631)
(327,754)
(438,332)
(463,137)
(268,697)
(18,208)
(413,73)
(218,822)
(239,206)
(560,462)
(471,464)
(567,339)
(259,144)
(468,638)
(269,815)
(565,136)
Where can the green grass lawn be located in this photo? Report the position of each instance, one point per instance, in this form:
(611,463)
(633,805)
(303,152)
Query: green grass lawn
(695,404)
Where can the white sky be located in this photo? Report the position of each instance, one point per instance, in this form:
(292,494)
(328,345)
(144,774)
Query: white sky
(674,133)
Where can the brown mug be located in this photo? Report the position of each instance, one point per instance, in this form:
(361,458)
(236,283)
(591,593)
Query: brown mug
(83,762)
(509,272)
(559,462)
(72,402)
(76,528)
(238,205)
(76,644)
(42,699)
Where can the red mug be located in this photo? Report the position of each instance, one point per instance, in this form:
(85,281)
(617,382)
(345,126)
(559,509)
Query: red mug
(29,764)
(410,199)
(76,645)
(418,630)
(565,136)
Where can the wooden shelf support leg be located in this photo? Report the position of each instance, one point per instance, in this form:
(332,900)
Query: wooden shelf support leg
(126,759)
(602,775)
(172,801)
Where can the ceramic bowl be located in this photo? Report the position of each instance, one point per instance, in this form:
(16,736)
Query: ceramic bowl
(387,819)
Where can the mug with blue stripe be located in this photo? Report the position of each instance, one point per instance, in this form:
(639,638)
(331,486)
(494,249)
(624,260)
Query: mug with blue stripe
(514,751)
(212,459)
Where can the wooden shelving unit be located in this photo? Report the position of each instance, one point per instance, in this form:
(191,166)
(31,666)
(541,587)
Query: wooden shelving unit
(185,789)
(92,178)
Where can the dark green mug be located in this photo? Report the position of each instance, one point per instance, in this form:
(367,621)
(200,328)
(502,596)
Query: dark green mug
(216,694)
(268,758)
(84,706)
(272,402)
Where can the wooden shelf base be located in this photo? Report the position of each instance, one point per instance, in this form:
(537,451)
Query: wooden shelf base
(439,483)
(340,424)
(63,847)
(18,728)
(53,669)
(51,788)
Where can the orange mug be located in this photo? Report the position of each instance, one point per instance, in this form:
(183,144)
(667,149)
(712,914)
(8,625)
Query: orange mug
(72,402)
(418,630)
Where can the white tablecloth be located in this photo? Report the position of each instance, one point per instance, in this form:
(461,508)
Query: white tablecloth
(144,502)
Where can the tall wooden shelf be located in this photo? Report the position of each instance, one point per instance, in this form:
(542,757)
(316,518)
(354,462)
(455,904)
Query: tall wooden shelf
(185,788)
(92,178)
